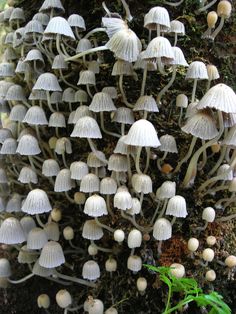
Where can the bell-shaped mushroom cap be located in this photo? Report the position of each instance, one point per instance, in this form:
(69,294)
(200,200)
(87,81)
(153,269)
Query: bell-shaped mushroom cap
(35,55)
(86,127)
(159,47)
(111,91)
(201,125)
(5,268)
(167,190)
(230,138)
(168,144)
(124,115)
(89,183)
(7,69)
(162,229)
(225,172)
(108,186)
(17,14)
(59,63)
(63,181)
(83,45)
(27,224)
(52,231)
(57,119)
(28,145)
(81,112)
(27,175)
(78,170)
(212,72)
(125,44)
(118,162)
(220,97)
(197,70)
(5,134)
(76,20)
(9,147)
(91,230)
(208,214)
(113,25)
(18,113)
(81,96)
(35,116)
(134,263)
(134,239)
(91,270)
(157,16)
(14,203)
(36,239)
(50,168)
(11,231)
(48,5)
(26,256)
(15,92)
(142,133)
(95,206)
(179,58)
(146,103)
(177,27)
(86,78)
(42,18)
(36,202)
(59,26)
(177,207)
(122,67)
(182,101)
(63,299)
(38,270)
(93,160)
(123,200)
(47,82)
(68,95)
(51,255)
(33,26)
(136,207)
(142,183)
(102,102)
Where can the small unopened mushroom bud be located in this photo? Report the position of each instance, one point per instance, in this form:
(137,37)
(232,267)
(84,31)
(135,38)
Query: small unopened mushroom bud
(63,298)
(68,233)
(43,301)
(208,214)
(134,239)
(111,265)
(215,148)
(230,261)
(210,275)
(208,255)
(92,250)
(224,9)
(79,198)
(141,284)
(96,307)
(4,283)
(146,237)
(212,19)
(166,168)
(134,263)
(177,270)
(193,244)
(52,142)
(211,240)
(119,235)
(111,310)
(56,214)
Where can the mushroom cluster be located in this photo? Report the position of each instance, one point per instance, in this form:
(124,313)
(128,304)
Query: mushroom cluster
(86,188)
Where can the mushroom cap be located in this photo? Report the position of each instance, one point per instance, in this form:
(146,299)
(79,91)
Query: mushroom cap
(91,230)
(91,270)
(179,59)
(108,186)
(63,182)
(208,214)
(182,101)
(35,116)
(118,163)
(5,268)
(162,229)
(11,231)
(177,27)
(51,255)
(146,103)
(123,115)
(134,239)
(87,77)
(177,206)
(142,183)
(36,202)
(159,47)
(142,133)
(197,70)
(27,175)
(59,26)
(90,183)
(63,298)
(78,170)
(52,4)
(76,20)
(220,97)
(86,127)
(157,16)
(134,263)
(125,44)
(47,82)
(102,102)
(36,239)
(28,146)
(168,144)
(95,206)
(50,168)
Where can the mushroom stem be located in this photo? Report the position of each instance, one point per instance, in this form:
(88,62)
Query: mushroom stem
(103,127)
(204,158)
(124,99)
(39,221)
(192,167)
(73,309)
(161,67)
(95,30)
(219,177)
(159,248)
(134,223)
(65,81)
(161,159)
(174,4)
(128,15)
(76,280)
(218,29)
(148,151)
(219,161)
(173,220)
(84,53)
(137,159)
(166,88)
(104,226)
(15,282)
(176,39)
(180,117)
(206,6)
(187,156)
(227,218)
(108,206)
(194,90)
(144,81)
(163,208)
(102,249)
(156,212)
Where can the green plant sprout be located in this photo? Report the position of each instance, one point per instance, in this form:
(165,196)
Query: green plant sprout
(188,287)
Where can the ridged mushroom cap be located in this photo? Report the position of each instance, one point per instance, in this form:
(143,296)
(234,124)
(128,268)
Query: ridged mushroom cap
(51,255)
(36,202)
